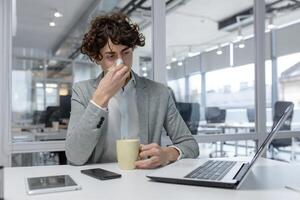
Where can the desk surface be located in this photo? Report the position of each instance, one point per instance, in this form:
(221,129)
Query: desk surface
(266,181)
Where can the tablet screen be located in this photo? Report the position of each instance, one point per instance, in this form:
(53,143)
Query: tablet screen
(47,182)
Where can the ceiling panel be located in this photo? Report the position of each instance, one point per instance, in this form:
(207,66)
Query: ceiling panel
(33,18)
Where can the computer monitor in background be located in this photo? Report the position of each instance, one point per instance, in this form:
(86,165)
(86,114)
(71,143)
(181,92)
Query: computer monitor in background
(65,106)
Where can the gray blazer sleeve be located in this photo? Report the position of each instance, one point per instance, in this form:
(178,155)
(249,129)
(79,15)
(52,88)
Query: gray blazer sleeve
(179,132)
(85,128)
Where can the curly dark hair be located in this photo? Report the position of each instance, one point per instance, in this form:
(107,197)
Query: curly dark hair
(117,27)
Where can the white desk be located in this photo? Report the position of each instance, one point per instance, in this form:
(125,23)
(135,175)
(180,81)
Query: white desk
(266,182)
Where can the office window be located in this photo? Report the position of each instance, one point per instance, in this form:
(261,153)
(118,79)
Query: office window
(194,88)
(231,87)
(203,49)
(51,94)
(40,104)
(178,87)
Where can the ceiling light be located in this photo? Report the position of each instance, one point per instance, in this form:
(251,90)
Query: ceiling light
(57,14)
(271,26)
(174,59)
(51,85)
(190,54)
(144,68)
(52,24)
(39,85)
(241,44)
(219,50)
(145,74)
(180,63)
(168,67)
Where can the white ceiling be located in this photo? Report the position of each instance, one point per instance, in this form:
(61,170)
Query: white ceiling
(194,26)
(194,23)
(33,18)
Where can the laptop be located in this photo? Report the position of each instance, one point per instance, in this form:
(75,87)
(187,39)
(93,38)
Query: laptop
(214,172)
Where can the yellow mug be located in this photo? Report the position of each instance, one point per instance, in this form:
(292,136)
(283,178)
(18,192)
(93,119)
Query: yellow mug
(127,153)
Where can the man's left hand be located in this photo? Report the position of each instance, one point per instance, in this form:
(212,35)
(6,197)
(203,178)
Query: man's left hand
(156,156)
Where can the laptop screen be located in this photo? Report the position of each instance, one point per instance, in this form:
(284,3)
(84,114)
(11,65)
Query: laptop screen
(271,135)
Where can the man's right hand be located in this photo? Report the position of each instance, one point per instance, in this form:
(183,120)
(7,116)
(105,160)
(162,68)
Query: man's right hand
(109,85)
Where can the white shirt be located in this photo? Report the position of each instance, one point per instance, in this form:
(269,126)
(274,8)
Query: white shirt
(122,118)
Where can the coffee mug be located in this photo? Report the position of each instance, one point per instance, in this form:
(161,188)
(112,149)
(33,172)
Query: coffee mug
(127,153)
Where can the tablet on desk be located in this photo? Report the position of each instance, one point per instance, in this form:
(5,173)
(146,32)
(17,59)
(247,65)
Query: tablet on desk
(49,184)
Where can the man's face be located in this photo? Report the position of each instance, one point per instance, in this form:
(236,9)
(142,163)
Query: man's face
(112,52)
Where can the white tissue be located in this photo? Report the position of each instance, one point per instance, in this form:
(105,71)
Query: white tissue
(119,61)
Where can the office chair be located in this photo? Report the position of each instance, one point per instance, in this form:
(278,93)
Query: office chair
(279,108)
(215,115)
(251,117)
(251,114)
(190,113)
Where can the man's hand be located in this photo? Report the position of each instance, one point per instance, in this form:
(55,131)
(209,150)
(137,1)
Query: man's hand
(156,156)
(113,80)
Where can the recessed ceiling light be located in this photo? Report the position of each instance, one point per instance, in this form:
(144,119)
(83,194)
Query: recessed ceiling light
(145,74)
(52,24)
(241,45)
(57,14)
(190,54)
(271,26)
(174,59)
(219,52)
(144,68)
(179,63)
(168,67)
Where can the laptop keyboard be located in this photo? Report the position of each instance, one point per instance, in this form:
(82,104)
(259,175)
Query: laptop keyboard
(212,170)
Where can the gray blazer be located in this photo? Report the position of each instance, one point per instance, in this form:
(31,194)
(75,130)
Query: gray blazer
(156,108)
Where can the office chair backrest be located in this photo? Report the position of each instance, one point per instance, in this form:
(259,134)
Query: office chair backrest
(215,115)
(52,113)
(185,110)
(251,114)
(190,113)
(279,108)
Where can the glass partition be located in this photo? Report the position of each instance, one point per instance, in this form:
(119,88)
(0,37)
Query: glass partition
(210,65)
(47,60)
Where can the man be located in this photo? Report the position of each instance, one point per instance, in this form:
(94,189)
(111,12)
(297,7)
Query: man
(120,100)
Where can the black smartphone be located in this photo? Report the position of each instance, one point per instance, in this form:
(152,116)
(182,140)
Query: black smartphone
(101,174)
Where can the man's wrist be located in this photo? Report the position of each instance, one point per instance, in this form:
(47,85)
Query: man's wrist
(101,101)
(100,107)
(172,154)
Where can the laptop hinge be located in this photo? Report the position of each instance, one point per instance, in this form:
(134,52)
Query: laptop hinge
(242,172)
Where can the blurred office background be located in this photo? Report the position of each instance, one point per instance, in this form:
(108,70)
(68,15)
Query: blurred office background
(209,68)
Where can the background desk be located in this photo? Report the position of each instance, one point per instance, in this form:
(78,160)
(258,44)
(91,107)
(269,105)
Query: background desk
(267,181)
